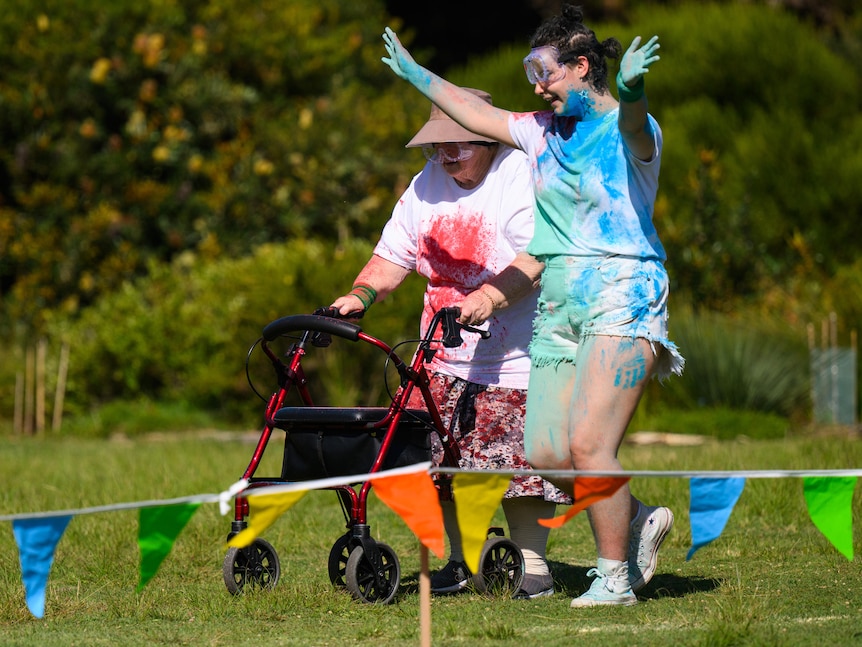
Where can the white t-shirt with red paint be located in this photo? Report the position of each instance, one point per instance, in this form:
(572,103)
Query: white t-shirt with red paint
(458,239)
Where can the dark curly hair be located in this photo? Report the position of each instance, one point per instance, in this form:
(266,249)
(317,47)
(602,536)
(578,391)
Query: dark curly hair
(568,33)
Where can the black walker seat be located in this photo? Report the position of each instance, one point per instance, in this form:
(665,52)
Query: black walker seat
(323,442)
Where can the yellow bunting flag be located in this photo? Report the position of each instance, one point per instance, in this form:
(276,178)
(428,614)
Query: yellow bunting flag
(476,499)
(588,490)
(414,498)
(264,509)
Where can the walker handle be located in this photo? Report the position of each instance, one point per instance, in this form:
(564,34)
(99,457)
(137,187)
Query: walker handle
(316,323)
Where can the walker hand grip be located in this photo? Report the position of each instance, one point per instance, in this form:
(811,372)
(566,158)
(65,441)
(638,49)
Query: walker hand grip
(452,327)
(295,323)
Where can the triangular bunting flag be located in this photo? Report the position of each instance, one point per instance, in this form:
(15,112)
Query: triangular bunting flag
(712,501)
(587,490)
(477,497)
(158,529)
(830,506)
(37,539)
(414,498)
(264,509)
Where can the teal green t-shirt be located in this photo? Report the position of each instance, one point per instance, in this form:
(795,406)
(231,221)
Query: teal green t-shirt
(592,196)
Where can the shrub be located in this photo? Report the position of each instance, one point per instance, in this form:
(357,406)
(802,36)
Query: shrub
(737,363)
(182,333)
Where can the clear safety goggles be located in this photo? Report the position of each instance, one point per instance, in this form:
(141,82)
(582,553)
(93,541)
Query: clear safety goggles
(451,151)
(543,65)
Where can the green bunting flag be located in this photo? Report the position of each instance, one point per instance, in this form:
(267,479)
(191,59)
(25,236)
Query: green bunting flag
(158,529)
(830,506)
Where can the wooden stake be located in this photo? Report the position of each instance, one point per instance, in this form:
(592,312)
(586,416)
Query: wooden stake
(424,597)
(39,413)
(60,393)
(18,419)
(29,376)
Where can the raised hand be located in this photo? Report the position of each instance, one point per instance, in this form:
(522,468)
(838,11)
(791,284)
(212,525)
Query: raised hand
(399,59)
(635,62)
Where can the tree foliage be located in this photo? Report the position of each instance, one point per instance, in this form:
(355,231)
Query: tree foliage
(762,132)
(762,128)
(163,162)
(136,131)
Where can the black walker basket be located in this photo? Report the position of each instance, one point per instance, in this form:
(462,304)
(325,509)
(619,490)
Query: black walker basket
(323,442)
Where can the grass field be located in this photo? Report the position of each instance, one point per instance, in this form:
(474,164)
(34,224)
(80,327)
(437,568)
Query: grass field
(770,579)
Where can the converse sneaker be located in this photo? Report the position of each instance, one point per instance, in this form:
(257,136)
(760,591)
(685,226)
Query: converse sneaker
(535,586)
(453,577)
(611,587)
(648,530)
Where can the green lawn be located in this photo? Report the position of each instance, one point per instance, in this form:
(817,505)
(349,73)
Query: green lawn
(770,579)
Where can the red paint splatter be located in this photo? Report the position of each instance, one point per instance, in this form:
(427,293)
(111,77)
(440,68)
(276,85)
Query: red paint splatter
(456,253)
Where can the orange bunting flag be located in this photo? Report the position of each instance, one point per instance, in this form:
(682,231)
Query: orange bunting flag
(588,490)
(477,497)
(414,498)
(264,509)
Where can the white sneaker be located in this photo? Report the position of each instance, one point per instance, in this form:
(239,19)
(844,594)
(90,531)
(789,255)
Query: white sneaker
(648,530)
(611,587)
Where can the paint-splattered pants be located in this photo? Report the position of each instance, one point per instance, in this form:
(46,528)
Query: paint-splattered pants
(583,299)
(618,296)
(487,422)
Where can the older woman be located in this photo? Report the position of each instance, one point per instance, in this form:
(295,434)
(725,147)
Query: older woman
(462,220)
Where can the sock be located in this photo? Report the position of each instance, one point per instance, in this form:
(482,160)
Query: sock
(450,523)
(522,514)
(617,573)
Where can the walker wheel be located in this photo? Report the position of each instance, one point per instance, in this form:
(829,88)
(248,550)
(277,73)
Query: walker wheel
(501,568)
(360,577)
(338,557)
(255,565)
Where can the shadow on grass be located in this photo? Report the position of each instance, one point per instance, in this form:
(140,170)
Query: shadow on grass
(572,581)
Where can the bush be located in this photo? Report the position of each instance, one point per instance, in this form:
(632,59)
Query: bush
(181,335)
(137,131)
(744,364)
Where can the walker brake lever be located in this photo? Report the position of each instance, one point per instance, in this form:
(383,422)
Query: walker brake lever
(452,328)
(484,334)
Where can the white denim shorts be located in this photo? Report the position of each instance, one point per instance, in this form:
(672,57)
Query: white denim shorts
(614,296)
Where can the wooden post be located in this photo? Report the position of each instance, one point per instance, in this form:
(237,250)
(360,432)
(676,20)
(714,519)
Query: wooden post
(29,376)
(854,345)
(60,393)
(39,411)
(18,418)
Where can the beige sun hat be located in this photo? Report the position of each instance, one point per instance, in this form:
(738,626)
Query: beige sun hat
(440,128)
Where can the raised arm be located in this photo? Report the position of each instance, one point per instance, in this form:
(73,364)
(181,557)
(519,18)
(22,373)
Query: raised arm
(465,108)
(634,127)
